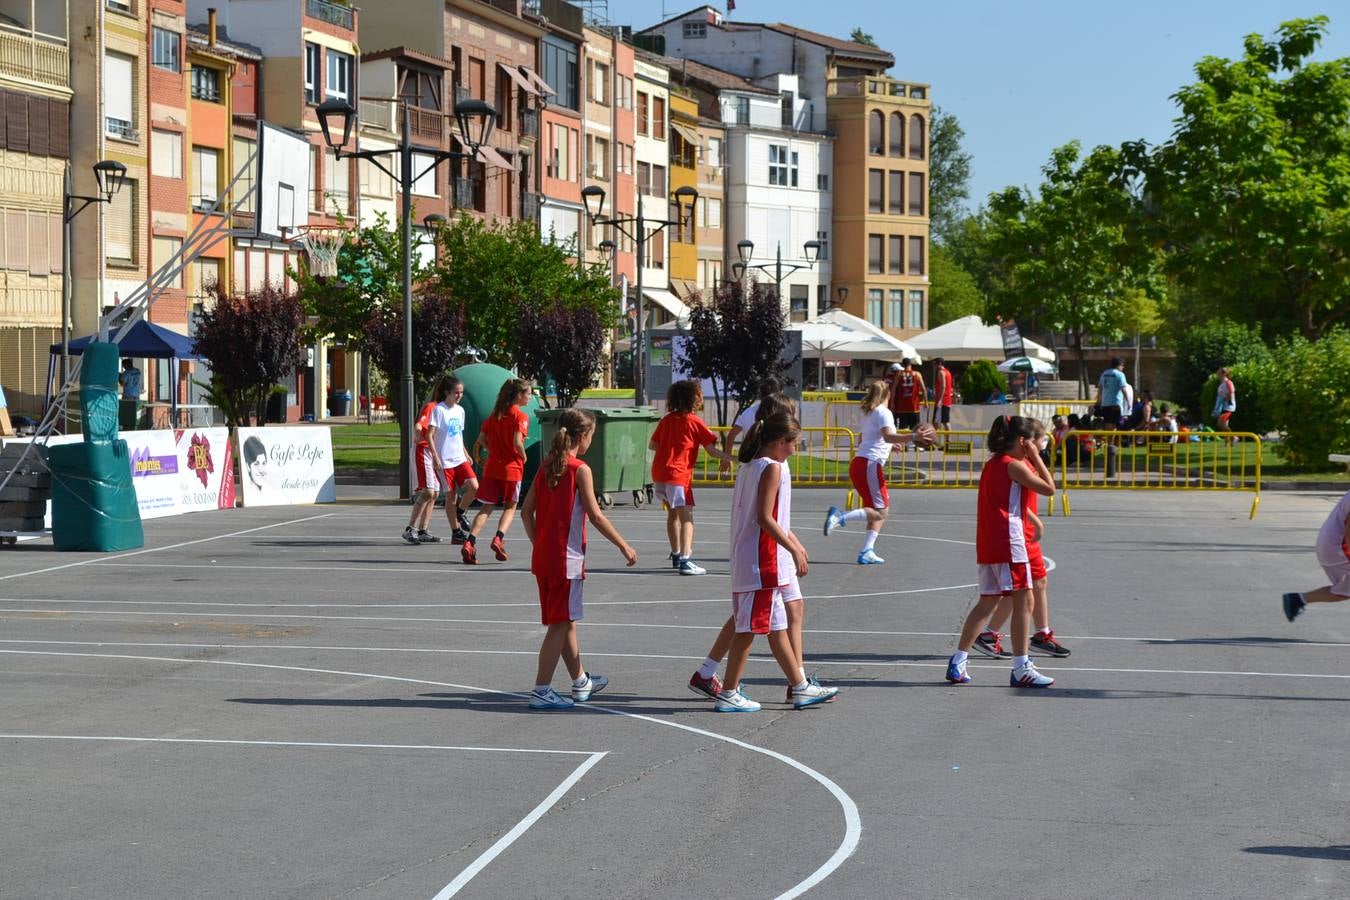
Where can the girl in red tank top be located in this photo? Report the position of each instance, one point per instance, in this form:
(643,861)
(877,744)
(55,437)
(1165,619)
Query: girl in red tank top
(1001,546)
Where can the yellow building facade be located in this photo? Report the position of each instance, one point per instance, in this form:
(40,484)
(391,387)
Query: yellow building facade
(684,154)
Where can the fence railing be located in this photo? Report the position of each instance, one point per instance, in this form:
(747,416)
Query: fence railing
(822,459)
(29,55)
(332,13)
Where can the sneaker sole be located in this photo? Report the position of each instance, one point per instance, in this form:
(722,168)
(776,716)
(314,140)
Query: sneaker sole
(501,555)
(551,708)
(412,541)
(589,694)
(1061,653)
(1031,685)
(738,709)
(813,701)
(965,680)
(701,692)
(979,648)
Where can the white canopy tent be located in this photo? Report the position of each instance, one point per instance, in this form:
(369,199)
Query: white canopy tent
(839,335)
(969,339)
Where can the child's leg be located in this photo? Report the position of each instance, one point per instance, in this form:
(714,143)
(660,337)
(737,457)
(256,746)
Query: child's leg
(571,653)
(719,648)
(796,612)
(875,519)
(685,514)
(1021,621)
(999,620)
(976,619)
(508,514)
(1323,595)
(480,519)
(466,499)
(419,509)
(428,509)
(737,656)
(1040,606)
(781,645)
(673,529)
(556,643)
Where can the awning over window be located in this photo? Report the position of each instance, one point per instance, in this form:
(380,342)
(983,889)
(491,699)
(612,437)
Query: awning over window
(688,134)
(538,82)
(669,302)
(520,80)
(489,155)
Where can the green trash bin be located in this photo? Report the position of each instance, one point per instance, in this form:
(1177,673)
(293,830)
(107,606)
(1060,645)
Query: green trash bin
(618,455)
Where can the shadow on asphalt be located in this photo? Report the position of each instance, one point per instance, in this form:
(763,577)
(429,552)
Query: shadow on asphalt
(1335,851)
(1256,641)
(470,701)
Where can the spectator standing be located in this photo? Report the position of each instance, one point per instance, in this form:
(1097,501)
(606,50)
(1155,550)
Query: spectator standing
(1111,394)
(129,410)
(1225,401)
(943,390)
(907,395)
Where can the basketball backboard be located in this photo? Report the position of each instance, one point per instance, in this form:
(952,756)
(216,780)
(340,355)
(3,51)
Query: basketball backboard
(283,181)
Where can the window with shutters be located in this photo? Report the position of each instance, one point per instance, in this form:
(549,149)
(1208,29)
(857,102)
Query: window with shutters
(916,309)
(875,197)
(119,96)
(917,138)
(38,244)
(424,175)
(163,250)
(166,154)
(659,118)
(896,207)
(895,309)
(16,239)
(916,193)
(337,185)
(56,248)
(119,226)
(896,261)
(875,298)
(916,256)
(206,84)
(245,187)
(205,189)
(874,254)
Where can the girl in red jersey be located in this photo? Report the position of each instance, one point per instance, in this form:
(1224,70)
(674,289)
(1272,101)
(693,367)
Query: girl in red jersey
(428,466)
(503,435)
(560,501)
(676,441)
(1007,487)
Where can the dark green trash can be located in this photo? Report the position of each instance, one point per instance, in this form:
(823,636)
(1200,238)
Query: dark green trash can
(618,454)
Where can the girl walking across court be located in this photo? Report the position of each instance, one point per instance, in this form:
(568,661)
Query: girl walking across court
(1333,553)
(446,434)
(561,499)
(867,470)
(676,442)
(766,562)
(428,466)
(1007,484)
(503,435)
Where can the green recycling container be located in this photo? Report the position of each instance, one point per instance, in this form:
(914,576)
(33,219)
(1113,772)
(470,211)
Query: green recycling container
(482,381)
(618,454)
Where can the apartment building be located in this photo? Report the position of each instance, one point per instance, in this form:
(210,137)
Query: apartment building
(651,104)
(709,232)
(775,179)
(880,257)
(562,124)
(685,144)
(35,95)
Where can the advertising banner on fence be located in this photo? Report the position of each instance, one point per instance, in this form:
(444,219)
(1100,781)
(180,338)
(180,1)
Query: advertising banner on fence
(177,472)
(283,466)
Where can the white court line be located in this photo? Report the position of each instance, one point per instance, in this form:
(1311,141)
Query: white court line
(455,565)
(509,838)
(531,604)
(917,537)
(87,562)
(852,820)
(306,744)
(757,658)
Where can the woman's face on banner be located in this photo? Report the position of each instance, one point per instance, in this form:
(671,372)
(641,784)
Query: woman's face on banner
(257,469)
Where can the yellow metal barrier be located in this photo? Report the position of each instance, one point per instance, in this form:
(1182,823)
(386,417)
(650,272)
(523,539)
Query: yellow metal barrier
(1154,460)
(822,459)
(955,461)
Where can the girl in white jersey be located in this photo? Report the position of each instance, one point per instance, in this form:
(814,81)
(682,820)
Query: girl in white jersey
(1333,552)
(867,471)
(766,561)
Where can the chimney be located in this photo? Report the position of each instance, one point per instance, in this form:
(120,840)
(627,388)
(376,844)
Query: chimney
(211,25)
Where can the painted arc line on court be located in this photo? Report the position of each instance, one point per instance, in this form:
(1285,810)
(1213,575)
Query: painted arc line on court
(506,840)
(87,562)
(298,744)
(852,819)
(386,570)
(390,606)
(756,658)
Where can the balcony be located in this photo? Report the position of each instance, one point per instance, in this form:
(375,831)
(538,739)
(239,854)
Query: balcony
(35,57)
(425,124)
(876,86)
(332,13)
(376,115)
(529,124)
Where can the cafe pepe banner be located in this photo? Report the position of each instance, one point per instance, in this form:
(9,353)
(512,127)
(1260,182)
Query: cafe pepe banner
(280,466)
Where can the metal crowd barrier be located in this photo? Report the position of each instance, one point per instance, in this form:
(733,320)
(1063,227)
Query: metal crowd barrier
(1160,460)
(955,461)
(822,459)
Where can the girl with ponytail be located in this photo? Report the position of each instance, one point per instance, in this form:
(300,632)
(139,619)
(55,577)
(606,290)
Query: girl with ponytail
(554,514)
(503,436)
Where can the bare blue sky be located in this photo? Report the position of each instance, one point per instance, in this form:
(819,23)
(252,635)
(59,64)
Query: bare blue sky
(1025,76)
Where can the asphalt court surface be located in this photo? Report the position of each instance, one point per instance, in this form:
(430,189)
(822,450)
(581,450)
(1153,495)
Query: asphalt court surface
(290,702)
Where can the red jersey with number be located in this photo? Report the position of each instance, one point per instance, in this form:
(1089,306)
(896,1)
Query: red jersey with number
(504,461)
(906,391)
(678,437)
(559,526)
(1000,521)
(943,389)
(424,423)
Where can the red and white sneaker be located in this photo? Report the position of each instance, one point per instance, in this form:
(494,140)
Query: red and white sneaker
(990,643)
(1028,677)
(1045,642)
(708,687)
(499,549)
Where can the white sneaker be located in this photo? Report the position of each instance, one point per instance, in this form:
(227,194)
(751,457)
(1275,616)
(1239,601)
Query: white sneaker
(869,558)
(833,519)
(1028,677)
(812,694)
(549,699)
(735,701)
(689,567)
(594,685)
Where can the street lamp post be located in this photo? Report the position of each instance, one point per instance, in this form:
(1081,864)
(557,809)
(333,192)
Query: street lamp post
(475,119)
(746,250)
(686,198)
(110,175)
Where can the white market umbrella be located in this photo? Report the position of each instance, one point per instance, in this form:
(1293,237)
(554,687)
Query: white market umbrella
(969,338)
(1026,364)
(839,335)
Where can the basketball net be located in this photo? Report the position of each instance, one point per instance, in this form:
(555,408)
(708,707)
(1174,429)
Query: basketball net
(321,250)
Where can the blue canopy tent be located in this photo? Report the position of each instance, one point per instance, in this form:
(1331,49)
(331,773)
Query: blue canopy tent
(142,340)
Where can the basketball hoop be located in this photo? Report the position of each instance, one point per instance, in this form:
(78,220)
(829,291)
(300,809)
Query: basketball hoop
(321,246)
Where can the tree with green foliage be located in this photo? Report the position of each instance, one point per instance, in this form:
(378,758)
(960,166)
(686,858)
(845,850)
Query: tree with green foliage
(980,380)
(1310,381)
(567,344)
(952,292)
(858,36)
(1251,195)
(736,340)
(1069,259)
(253,341)
(498,269)
(948,175)
(1202,350)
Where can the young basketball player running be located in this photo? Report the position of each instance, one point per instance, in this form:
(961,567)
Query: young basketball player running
(503,434)
(705,680)
(561,499)
(990,641)
(676,442)
(867,470)
(428,466)
(1333,552)
(1004,564)
(766,561)
(447,436)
